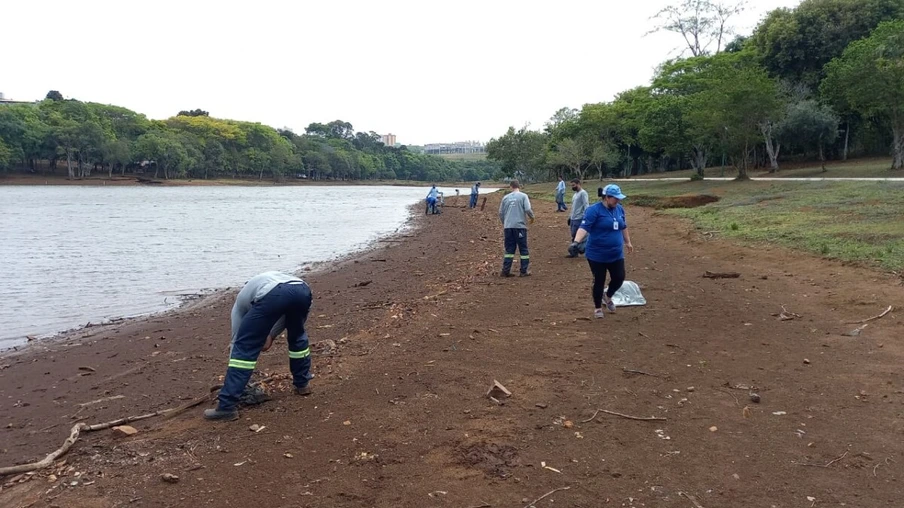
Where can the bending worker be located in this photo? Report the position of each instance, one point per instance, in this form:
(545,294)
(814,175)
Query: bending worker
(431,200)
(268,304)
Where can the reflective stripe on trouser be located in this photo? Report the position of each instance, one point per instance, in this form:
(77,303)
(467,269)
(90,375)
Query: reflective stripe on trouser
(299,359)
(292,301)
(242,364)
(300,354)
(515,239)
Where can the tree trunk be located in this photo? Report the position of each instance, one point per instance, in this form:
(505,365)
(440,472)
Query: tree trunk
(122,169)
(898,148)
(110,172)
(742,167)
(69,163)
(847,137)
(156,169)
(261,176)
(698,161)
(822,156)
(772,148)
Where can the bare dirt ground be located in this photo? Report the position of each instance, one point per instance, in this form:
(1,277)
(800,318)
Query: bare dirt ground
(399,417)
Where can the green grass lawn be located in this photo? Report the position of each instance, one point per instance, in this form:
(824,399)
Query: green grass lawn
(861,222)
(862,168)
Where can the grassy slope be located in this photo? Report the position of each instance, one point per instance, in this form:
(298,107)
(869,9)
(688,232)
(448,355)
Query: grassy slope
(863,168)
(852,221)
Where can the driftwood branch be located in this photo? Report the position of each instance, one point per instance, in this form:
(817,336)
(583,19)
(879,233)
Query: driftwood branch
(628,417)
(544,496)
(880,316)
(83,427)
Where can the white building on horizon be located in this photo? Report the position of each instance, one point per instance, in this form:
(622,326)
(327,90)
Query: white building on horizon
(457,147)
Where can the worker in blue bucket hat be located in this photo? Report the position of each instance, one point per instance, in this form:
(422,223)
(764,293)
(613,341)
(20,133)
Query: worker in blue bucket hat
(606,230)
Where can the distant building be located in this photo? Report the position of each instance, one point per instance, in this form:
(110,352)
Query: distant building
(457,147)
(5,100)
(388,139)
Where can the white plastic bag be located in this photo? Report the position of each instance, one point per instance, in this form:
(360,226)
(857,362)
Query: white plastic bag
(629,295)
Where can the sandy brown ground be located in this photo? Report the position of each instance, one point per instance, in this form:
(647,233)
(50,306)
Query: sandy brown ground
(399,417)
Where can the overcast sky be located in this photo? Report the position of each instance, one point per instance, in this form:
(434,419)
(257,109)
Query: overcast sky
(427,71)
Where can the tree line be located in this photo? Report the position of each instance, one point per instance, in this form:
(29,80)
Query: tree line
(85,137)
(822,80)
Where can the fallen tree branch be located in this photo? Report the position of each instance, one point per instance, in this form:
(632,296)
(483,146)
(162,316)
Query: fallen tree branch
(78,428)
(544,496)
(880,316)
(628,417)
(691,499)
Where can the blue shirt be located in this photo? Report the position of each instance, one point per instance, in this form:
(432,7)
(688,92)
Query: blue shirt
(605,243)
(432,193)
(561,186)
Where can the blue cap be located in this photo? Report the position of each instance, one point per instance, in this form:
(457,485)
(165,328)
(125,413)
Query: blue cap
(614,191)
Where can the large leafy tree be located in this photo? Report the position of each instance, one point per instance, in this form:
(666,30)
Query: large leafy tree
(869,78)
(797,43)
(520,152)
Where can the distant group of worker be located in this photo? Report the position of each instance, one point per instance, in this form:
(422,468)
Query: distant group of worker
(272,301)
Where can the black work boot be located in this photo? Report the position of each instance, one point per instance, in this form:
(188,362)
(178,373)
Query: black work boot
(304,391)
(221,414)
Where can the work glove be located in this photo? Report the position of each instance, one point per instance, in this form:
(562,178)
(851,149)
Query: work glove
(573,249)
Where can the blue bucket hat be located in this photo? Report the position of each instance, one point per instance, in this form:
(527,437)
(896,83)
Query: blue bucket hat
(614,191)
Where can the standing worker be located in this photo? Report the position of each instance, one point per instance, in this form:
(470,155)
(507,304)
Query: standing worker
(475,191)
(579,203)
(606,230)
(560,196)
(431,200)
(515,212)
(268,304)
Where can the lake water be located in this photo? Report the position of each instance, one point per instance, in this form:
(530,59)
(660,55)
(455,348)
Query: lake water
(72,255)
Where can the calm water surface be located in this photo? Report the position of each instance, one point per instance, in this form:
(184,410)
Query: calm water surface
(73,255)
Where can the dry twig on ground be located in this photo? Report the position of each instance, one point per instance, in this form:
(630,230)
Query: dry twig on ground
(826,465)
(544,496)
(880,316)
(628,417)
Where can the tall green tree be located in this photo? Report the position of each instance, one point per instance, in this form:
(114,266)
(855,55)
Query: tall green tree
(811,126)
(869,78)
(520,152)
(797,43)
